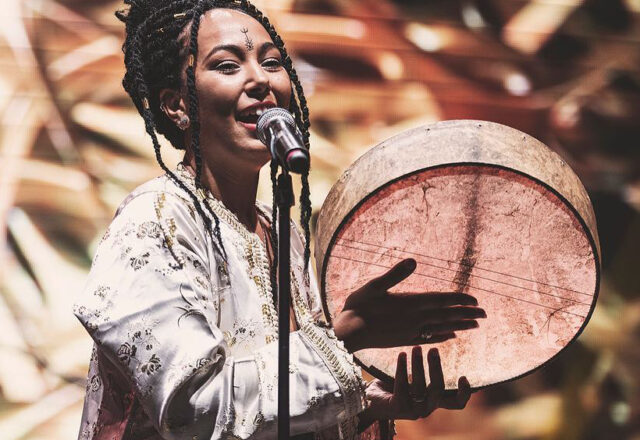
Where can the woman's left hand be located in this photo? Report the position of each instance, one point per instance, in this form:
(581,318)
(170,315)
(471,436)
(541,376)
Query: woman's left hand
(411,401)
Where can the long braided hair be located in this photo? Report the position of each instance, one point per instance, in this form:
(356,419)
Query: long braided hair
(161,39)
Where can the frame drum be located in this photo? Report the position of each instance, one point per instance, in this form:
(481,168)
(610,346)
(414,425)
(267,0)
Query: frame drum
(484,209)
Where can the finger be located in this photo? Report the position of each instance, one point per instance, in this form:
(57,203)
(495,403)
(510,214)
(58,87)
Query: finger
(418,382)
(436,379)
(393,276)
(464,392)
(401,384)
(434,339)
(436,300)
(457,313)
(459,398)
(437,329)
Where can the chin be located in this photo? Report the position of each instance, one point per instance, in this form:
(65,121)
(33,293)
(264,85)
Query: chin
(256,146)
(258,153)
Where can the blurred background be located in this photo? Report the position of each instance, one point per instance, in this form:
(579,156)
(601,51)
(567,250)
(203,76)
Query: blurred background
(72,146)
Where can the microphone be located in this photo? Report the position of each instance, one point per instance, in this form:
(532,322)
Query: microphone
(277,129)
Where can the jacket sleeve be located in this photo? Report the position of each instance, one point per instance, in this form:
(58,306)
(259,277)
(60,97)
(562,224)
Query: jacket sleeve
(150,304)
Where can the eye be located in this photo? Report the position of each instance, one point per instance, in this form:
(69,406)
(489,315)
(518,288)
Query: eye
(272,63)
(226,66)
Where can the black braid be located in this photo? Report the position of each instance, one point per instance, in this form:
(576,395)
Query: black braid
(305,215)
(160,49)
(196,13)
(305,202)
(155,52)
(274,233)
(301,111)
(150,128)
(135,83)
(191,87)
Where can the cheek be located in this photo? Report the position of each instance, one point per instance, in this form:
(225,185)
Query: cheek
(217,97)
(282,89)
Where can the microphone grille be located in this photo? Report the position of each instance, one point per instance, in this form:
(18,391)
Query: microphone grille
(269,116)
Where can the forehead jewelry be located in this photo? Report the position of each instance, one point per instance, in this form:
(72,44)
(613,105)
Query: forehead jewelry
(248,42)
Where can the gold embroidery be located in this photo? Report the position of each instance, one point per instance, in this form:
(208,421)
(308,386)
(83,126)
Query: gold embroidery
(172,228)
(228,339)
(253,249)
(149,229)
(244,331)
(170,231)
(343,367)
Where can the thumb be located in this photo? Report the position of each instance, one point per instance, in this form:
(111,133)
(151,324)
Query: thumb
(393,276)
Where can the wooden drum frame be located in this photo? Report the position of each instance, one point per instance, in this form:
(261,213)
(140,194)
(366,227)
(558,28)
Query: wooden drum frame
(484,209)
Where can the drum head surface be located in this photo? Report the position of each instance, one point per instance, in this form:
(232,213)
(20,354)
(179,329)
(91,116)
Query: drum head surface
(504,237)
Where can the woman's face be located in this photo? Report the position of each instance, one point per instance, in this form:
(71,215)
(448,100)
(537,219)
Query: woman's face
(238,73)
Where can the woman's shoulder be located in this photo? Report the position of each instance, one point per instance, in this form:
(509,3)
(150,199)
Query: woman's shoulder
(157,209)
(157,217)
(156,195)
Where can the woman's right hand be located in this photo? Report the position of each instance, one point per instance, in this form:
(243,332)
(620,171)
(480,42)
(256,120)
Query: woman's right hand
(373,317)
(401,400)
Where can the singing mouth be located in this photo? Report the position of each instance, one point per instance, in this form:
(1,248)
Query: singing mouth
(249,116)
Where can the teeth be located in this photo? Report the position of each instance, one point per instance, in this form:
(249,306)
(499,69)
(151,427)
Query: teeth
(257,111)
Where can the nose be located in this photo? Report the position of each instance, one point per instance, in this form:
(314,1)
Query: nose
(258,84)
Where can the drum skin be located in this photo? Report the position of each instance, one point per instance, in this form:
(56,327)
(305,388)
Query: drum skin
(484,209)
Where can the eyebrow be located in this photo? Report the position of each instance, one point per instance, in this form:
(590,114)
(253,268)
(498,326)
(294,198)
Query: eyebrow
(239,51)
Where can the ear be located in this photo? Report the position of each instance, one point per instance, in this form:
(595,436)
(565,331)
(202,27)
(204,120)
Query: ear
(172,105)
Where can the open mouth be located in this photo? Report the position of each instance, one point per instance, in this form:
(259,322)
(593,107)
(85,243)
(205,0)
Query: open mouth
(249,116)
(251,119)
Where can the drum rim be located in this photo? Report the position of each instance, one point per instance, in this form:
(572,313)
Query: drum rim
(507,140)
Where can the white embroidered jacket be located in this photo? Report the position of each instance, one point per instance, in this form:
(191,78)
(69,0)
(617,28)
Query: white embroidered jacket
(186,342)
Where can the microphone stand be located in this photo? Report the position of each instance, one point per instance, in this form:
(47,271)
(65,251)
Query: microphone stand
(285,200)
(294,159)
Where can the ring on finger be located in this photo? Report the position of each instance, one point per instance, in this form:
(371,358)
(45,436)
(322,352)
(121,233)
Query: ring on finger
(426,336)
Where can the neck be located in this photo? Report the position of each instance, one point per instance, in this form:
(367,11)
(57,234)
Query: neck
(236,189)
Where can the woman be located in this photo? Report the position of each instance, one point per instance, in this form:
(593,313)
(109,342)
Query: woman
(179,299)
